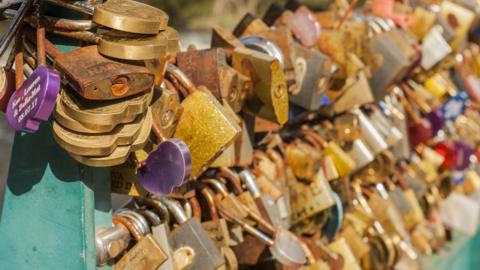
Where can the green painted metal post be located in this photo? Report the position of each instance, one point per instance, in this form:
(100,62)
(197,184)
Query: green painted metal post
(52,204)
(51,207)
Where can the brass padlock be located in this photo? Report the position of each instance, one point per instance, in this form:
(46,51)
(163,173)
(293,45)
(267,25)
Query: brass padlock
(130,16)
(282,38)
(204,126)
(146,251)
(269,99)
(307,200)
(166,111)
(303,158)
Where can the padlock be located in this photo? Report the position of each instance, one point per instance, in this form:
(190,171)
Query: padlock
(235,87)
(166,111)
(360,152)
(110,243)
(166,168)
(341,246)
(266,46)
(434,48)
(244,196)
(370,134)
(303,158)
(101,144)
(130,16)
(123,178)
(99,116)
(357,244)
(313,72)
(34,101)
(249,25)
(191,240)
(278,43)
(420,130)
(390,132)
(240,152)
(344,163)
(396,111)
(96,77)
(160,230)
(269,99)
(394,64)
(146,251)
(202,67)
(213,129)
(310,199)
(128,46)
(265,202)
(422,22)
(284,245)
(435,117)
(223,39)
(215,226)
(227,200)
(460,19)
(298,18)
(119,155)
(283,203)
(357,92)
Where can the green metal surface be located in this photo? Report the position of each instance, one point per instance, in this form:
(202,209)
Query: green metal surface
(48,220)
(463,253)
(52,204)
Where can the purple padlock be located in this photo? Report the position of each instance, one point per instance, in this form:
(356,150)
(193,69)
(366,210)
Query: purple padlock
(34,101)
(166,168)
(436,119)
(463,153)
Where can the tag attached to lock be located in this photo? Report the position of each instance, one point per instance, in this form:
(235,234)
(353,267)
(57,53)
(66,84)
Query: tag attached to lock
(34,101)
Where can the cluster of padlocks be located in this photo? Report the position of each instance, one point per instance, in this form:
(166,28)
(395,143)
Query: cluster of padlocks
(340,139)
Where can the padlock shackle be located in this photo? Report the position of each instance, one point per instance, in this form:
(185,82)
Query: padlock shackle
(175,209)
(123,221)
(151,216)
(79,6)
(19,76)
(250,182)
(264,45)
(196,208)
(210,199)
(187,207)
(250,229)
(136,219)
(159,207)
(41,56)
(54,22)
(232,177)
(217,185)
(181,77)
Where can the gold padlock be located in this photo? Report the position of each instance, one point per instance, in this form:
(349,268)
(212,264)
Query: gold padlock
(269,99)
(204,126)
